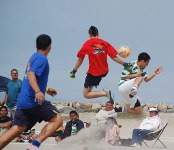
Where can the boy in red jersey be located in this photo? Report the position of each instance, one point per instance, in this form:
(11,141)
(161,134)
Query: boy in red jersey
(97,51)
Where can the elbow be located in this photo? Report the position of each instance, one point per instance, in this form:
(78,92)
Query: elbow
(146,80)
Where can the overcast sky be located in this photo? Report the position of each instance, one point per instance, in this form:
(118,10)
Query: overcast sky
(145,26)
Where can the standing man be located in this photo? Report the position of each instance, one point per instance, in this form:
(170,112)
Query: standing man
(31,105)
(131,79)
(97,51)
(13,90)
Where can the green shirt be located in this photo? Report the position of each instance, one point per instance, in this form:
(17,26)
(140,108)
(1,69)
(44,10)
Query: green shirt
(74,129)
(131,70)
(13,90)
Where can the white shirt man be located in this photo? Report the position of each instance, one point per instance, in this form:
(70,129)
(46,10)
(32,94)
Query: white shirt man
(104,114)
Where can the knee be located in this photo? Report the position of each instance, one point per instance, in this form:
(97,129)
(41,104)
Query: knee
(138,111)
(58,120)
(85,95)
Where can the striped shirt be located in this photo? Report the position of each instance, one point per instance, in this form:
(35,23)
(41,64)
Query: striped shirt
(131,70)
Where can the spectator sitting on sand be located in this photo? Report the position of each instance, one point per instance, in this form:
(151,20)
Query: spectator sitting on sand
(5,121)
(104,114)
(72,127)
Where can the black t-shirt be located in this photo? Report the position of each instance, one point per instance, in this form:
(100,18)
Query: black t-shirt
(7,119)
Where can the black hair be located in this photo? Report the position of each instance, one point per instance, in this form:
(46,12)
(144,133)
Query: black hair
(109,102)
(144,56)
(93,31)
(14,70)
(43,41)
(4,108)
(73,112)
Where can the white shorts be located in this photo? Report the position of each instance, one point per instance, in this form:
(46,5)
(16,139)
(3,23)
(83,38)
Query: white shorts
(125,89)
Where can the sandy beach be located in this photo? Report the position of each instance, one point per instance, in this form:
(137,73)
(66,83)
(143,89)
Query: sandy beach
(85,139)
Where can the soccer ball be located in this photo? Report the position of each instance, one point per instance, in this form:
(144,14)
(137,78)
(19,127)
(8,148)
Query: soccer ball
(124,51)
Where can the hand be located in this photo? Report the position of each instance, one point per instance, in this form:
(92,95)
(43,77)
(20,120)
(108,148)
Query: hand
(72,73)
(87,124)
(159,70)
(51,92)
(138,74)
(39,97)
(127,64)
(58,139)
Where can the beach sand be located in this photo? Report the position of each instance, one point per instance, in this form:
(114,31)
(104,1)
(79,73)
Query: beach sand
(85,139)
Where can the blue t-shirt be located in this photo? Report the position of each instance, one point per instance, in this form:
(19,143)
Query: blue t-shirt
(13,90)
(38,64)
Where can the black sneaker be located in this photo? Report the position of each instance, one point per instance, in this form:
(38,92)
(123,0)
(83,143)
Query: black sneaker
(118,109)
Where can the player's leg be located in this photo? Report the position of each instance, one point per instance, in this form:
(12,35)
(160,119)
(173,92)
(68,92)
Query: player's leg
(12,133)
(124,90)
(48,113)
(50,128)
(137,109)
(135,87)
(89,94)
(90,82)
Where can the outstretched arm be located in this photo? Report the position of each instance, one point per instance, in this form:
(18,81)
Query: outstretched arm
(78,64)
(156,72)
(118,60)
(76,67)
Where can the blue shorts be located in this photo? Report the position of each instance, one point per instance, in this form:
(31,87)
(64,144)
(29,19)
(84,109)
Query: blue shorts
(91,80)
(29,117)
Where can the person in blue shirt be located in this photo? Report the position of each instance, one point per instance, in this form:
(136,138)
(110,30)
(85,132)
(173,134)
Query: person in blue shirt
(13,90)
(31,104)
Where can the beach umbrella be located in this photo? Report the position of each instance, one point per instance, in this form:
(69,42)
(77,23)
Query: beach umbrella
(3,83)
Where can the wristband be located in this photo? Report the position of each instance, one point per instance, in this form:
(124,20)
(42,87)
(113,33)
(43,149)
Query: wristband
(74,71)
(46,90)
(37,92)
(154,73)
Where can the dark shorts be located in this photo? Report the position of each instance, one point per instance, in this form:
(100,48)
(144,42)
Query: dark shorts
(29,117)
(137,104)
(91,80)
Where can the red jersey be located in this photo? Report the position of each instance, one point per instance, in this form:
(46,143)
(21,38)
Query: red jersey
(97,51)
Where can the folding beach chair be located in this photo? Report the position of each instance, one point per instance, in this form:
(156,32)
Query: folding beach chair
(155,135)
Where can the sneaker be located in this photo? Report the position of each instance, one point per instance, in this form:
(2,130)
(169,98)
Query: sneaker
(134,91)
(111,100)
(135,145)
(32,147)
(118,109)
(108,92)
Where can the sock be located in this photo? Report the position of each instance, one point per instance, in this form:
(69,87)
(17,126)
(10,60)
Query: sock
(124,109)
(36,143)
